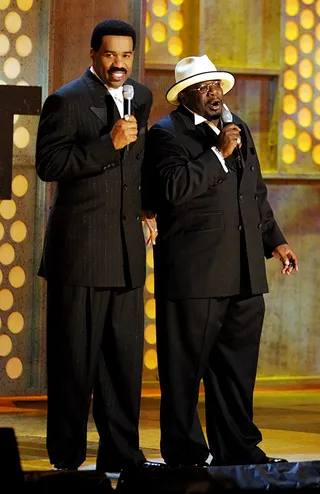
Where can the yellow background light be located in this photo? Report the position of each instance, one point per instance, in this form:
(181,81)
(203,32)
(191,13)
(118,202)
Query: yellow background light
(150,308)
(14,368)
(12,22)
(151,359)
(304,142)
(25,5)
(316,154)
(159,32)
(15,322)
(290,79)
(8,209)
(291,30)
(289,129)
(19,185)
(6,299)
(289,154)
(5,345)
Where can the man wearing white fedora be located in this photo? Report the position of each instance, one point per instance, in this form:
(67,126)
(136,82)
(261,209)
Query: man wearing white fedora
(215,228)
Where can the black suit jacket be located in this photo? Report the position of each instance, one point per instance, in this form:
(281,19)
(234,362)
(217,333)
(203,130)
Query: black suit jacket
(212,225)
(94,235)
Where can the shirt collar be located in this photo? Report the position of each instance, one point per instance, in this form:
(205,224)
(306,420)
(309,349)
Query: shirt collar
(117,92)
(198,119)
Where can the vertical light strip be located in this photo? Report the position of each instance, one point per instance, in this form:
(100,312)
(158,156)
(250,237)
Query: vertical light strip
(164,21)
(18,20)
(299,128)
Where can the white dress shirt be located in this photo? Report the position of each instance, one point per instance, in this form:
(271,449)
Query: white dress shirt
(117,94)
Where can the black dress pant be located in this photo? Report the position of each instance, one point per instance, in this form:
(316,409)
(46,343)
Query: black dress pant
(94,345)
(216,340)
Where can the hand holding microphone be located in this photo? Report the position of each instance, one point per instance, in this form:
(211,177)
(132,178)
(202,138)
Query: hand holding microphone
(229,137)
(125,130)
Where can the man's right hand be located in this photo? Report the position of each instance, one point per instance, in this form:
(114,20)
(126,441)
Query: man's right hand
(124,132)
(228,139)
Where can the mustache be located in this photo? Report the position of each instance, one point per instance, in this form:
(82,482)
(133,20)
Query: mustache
(215,99)
(117,69)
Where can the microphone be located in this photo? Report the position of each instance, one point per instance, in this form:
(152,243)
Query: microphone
(226,115)
(128,92)
(227,119)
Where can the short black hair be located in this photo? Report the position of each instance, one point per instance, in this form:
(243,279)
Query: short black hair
(111,27)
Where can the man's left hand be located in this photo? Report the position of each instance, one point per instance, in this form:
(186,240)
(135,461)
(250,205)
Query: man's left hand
(151,223)
(287,257)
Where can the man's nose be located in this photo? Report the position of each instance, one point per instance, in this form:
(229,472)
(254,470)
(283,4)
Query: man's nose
(117,62)
(213,89)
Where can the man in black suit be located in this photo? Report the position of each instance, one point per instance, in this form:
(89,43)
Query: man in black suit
(94,255)
(215,229)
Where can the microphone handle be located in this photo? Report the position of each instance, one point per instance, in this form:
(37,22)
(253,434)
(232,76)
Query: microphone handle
(237,150)
(128,112)
(127,106)
(239,157)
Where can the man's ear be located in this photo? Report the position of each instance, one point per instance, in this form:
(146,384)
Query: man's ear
(181,98)
(92,53)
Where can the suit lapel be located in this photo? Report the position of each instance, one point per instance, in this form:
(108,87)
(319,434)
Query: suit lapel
(102,103)
(101,113)
(201,132)
(104,107)
(108,113)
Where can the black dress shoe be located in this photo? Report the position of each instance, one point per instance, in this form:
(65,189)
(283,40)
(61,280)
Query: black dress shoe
(265,459)
(184,465)
(151,465)
(117,468)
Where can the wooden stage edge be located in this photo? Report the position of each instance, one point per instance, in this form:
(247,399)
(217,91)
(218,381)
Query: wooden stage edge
(150,390)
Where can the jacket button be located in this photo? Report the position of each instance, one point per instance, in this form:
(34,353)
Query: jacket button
(104,168)
(125,186)
(240,197)
(138,217)
(220,181)
(240,228)
(256,197)
(139,187)
(252,168)
(124,217)
(259,226)
(109,166)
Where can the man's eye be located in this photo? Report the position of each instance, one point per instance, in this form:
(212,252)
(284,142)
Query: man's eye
(203,89)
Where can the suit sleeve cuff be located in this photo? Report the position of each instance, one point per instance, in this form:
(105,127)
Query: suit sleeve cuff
(220,158)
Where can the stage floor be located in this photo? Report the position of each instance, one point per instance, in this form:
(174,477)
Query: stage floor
(289,421)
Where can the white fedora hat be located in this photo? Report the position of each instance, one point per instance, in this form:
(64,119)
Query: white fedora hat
(192,70)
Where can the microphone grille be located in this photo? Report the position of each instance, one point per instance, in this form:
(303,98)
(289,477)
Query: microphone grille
(226,114)
(128,91)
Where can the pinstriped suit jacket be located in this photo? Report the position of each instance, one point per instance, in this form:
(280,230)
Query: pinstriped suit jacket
(94,234)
